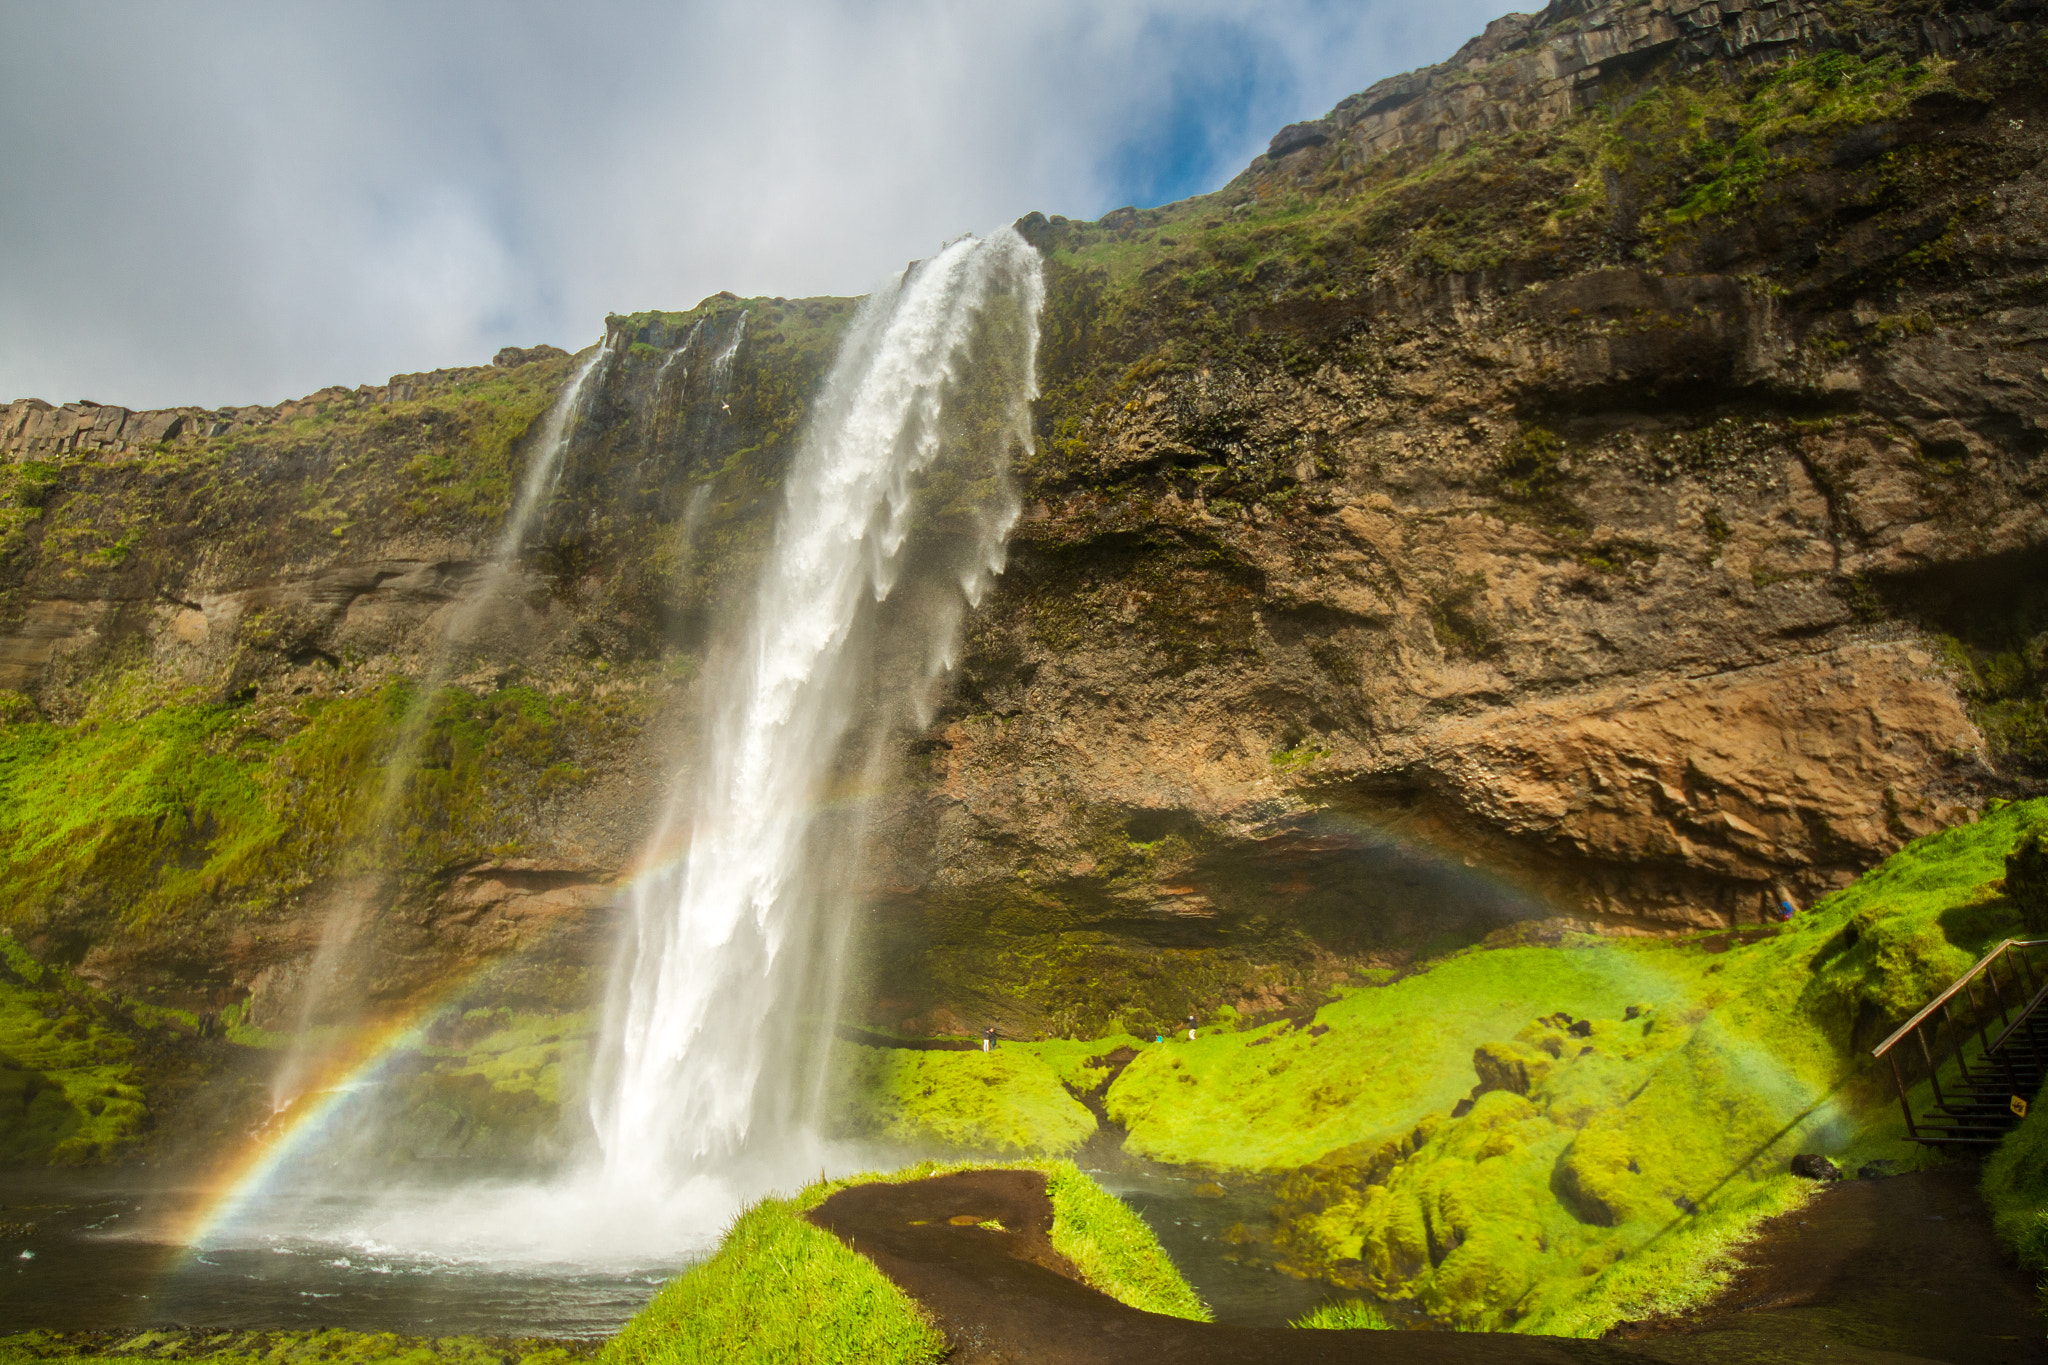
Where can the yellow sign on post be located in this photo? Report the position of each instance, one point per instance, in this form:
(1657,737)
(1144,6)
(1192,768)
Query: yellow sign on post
(2019,1106)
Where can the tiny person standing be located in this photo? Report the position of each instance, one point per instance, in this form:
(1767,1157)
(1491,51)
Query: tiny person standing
(1191,1028)
(988,1038)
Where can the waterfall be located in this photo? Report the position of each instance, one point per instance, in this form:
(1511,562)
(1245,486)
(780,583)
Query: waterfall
(721,364)
(305,1058)
(898,504)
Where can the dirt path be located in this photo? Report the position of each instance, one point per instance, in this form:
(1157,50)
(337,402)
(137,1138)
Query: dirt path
(1877,1271)
(1007,1298)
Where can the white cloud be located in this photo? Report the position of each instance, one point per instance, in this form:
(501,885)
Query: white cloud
(220,202)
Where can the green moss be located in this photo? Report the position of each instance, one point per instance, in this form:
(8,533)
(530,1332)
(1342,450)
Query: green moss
(1558,1139)
(67,1081)
(515,1053)
(143,814)
(283,1348)
(1278,1097)
(189,805)
(469,471)
(1003,1101)
(1725,143)
(779,1289)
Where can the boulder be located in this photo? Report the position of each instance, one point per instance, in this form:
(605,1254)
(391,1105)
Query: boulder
(512,356)
(2026,880)
(1815,1167)
(1296,136)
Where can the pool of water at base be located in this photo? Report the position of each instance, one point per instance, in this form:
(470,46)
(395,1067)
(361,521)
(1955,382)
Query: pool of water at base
(76,1255)
(1190,1216)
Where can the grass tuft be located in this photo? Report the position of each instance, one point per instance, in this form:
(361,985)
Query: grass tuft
(1349,1316)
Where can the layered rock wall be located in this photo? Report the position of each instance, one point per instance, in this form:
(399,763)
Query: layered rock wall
(1498,505)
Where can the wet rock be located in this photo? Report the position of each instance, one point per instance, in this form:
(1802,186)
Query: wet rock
(1815,1167)
(1504,1066)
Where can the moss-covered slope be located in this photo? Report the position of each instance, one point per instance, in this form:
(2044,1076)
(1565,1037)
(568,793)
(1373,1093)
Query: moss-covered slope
(1551,1136)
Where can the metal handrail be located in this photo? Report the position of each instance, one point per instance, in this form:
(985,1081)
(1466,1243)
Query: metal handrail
(1964,1117)
(1960,982)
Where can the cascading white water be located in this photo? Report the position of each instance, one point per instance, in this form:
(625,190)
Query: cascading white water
(898,505)
(722,1000)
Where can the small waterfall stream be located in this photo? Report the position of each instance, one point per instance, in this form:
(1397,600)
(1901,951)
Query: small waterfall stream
(723,996)
(304,1059)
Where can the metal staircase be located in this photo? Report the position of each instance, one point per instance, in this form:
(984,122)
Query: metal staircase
(1982,1045)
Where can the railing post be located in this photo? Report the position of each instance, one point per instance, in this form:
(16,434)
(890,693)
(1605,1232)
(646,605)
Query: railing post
(1933,1071)
(1956,1037)
(1977,1008)
(1912,1133)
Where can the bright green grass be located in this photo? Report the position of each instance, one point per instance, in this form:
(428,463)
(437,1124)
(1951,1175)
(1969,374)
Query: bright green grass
(1349,1316)
(1610,1169)
(777,1290)
(2016,1187)
(780,1290)
(1070,1058)
(1113,1248)
(282,1348)
(1008,1100)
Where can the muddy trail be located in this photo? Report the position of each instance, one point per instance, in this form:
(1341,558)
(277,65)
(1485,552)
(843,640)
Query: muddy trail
(1885,1272)
(1889,1271)
(1006,1297)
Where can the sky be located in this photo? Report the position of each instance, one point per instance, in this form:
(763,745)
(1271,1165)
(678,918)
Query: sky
(227,203)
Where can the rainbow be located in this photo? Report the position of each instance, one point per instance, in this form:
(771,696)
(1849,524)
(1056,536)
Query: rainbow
(241,1178)
(237,1182)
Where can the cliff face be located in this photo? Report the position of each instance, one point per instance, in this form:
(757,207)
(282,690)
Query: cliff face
(1611,458)
(1597,477)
